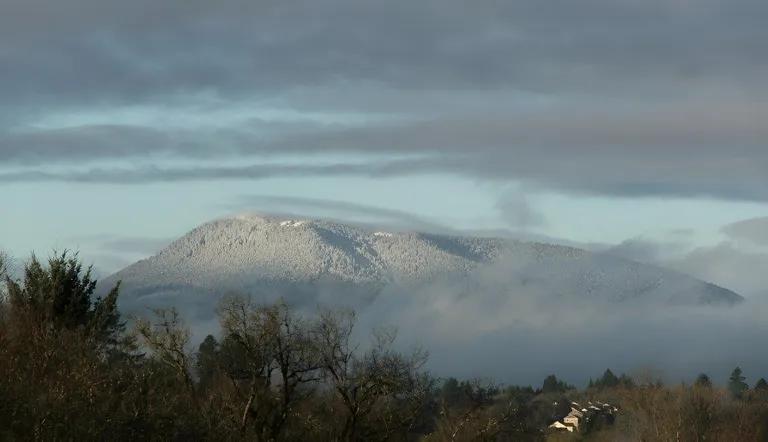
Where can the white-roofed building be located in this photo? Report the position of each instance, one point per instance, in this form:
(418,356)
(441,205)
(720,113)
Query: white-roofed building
(557,425)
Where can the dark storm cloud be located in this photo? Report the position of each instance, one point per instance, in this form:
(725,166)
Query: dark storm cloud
(639,97)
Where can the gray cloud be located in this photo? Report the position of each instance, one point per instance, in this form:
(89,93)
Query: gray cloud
(728,265)
(265,45)
(652,251)
(85,143)
(754,230)
(370,216)
(601,97)
(734,264)
(618,175)
(338,210)
(516,210)
(153,174)
(637,249)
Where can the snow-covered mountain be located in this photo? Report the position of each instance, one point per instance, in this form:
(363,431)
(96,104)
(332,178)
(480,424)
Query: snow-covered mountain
(311,261)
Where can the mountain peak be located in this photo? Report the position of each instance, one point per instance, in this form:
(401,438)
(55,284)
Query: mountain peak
(298,258)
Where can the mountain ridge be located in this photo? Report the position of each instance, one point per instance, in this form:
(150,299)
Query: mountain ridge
(273,256)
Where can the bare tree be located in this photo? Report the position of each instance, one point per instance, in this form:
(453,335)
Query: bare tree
(281,360)
(296,355)
(478,415)
(379,381)
(167,338)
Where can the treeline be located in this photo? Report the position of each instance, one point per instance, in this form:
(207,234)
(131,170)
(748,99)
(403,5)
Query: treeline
(72,369)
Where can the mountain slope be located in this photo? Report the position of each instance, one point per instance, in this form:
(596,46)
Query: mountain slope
(311,261)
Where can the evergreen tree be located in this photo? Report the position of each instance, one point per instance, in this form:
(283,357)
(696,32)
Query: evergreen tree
(232,358)
(451,392)
(703,381)
(626,381)
(609,380)
(736,384)
(550,384)
(553,385)
(207,360)
(761,385)
(62,295)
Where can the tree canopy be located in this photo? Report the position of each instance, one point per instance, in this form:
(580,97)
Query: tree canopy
(736,385)
(702,380)
(61,294)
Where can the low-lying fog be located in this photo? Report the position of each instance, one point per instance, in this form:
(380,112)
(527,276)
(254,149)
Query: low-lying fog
(504,327)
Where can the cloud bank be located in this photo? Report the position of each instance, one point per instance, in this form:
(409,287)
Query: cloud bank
(654,98)
(752,230)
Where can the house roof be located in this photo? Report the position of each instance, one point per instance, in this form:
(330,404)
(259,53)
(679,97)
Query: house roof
(562,426)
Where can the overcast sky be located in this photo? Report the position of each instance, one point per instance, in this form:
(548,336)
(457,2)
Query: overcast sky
(633,125)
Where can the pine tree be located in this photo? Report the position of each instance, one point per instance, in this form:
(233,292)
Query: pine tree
(550,384)
(451,392)
(626,381)
(554,385)
(61,294)
(207,360)
(609,380)
(703,381)
(736,384)
(761,385)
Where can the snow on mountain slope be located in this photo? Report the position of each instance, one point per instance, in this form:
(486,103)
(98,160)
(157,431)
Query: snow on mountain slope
(310,261)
